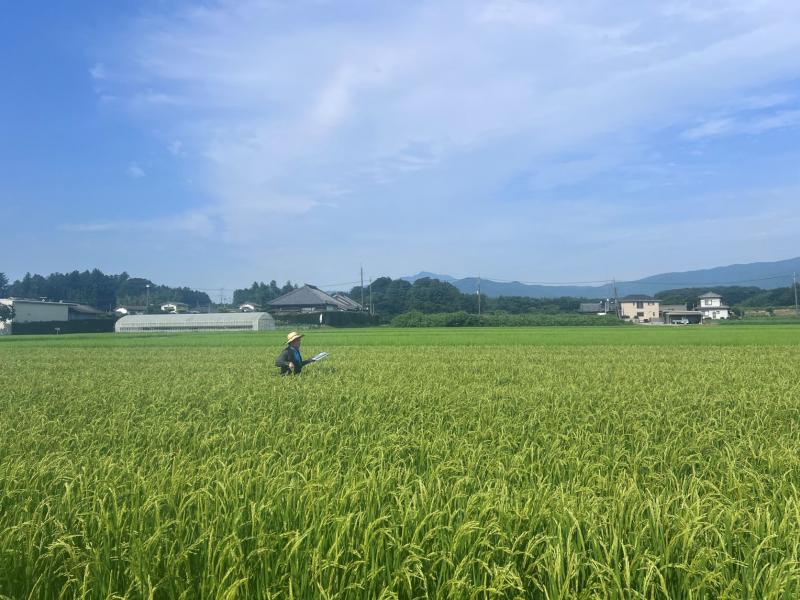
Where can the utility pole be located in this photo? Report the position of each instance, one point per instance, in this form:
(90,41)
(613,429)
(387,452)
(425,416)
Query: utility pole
(362,285)
(147,304)
(616,301)
(479,296)
(371,307)
(794,285)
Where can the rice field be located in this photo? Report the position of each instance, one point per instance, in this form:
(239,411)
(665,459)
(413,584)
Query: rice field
(528,463)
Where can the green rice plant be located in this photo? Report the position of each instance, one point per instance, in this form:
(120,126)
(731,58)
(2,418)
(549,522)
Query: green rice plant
(425,464)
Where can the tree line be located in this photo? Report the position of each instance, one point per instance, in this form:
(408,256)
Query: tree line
(388,297)
(391,297)
(99,290)
(260,293)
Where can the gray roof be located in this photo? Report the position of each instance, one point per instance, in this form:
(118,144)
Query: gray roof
(673,307)
(710,295)
(347,302)
(308,295)
(86,309)
(639,298)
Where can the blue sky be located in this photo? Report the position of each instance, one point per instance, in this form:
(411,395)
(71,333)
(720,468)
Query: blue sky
(211,144)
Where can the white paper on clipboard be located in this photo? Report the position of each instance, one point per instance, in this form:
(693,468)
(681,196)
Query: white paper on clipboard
(319,356)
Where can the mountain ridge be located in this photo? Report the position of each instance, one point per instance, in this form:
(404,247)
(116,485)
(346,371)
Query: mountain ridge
(763,274)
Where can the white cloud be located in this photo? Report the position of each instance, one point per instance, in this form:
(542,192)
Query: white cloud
(98,71)
(711,128)
(195,222)
(428,108)
(175,147)
(751,125)
(134,171)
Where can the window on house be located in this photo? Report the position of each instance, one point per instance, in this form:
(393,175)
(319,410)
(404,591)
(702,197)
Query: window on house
(640,305)
(640,314)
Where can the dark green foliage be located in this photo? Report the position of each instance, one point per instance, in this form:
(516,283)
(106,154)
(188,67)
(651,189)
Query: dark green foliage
(3,285)
(522,304)
(258,293)
(433,296)
(102,291)
(776,297)
(133,292)
(6,312)
(426,295)
(331,319)
(464,319)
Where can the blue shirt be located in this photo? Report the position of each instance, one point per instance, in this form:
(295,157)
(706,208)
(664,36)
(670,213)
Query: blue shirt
(298,360)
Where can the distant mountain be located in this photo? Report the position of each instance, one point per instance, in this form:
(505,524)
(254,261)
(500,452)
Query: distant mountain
(424,274)
(766,275)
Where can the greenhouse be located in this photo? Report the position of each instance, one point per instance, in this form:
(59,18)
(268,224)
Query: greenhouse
(254,321)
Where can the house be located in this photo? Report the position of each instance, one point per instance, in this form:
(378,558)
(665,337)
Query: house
(175,307)
(711,307)
(54,315)
(36,311)
(312,299)
(639,308)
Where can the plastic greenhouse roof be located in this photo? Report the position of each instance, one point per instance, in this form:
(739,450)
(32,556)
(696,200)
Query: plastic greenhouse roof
(186,319)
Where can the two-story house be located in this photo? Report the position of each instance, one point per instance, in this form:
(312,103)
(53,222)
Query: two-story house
(710,304)
(639,307)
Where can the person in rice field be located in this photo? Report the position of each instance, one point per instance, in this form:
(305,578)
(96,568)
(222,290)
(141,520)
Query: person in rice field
(290,360)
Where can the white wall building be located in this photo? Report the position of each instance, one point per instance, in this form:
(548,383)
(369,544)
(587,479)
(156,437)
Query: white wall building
(35,311)
(710,304)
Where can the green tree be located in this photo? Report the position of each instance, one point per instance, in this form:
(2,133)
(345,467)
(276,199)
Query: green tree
(6,312)
(433,296)
(3,284)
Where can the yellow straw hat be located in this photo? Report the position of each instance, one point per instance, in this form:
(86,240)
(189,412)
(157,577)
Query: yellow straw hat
(293,335)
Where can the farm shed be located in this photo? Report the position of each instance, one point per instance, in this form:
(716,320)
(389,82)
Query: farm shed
(254,321)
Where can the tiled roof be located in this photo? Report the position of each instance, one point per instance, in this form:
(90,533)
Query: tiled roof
(308,295)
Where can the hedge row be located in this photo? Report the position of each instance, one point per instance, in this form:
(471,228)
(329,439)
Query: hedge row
(464,319)
(332,319)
